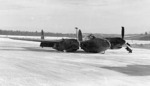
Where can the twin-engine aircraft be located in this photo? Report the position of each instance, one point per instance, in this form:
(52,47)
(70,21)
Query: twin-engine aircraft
(91,45)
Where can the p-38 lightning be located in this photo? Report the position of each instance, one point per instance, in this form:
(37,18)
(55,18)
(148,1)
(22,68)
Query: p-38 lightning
(90,45)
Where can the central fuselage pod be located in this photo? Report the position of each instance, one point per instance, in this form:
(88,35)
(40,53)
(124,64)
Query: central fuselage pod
(95,45)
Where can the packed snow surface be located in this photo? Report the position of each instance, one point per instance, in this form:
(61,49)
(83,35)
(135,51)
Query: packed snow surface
(24,63)
(138,42)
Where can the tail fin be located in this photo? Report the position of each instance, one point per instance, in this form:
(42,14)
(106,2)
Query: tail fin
(42,34)
(122,33)
(79,35)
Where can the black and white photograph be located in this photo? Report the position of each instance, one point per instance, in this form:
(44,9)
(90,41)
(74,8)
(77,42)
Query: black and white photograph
(74,42)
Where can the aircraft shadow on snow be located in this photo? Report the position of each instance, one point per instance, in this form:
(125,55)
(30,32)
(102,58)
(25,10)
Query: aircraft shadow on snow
(10,48)
(132,70)
(37,49)
(48,50)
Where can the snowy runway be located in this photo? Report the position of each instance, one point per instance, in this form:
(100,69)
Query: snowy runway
(24,63)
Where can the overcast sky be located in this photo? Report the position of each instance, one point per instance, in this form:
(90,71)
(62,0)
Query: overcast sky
(92,16)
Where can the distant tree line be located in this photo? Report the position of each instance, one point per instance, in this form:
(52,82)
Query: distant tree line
(36,33)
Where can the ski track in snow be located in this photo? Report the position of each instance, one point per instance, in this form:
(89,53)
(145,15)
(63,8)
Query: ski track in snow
(24,63)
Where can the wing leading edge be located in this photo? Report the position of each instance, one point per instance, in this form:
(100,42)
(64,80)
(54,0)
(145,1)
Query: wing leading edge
(35,40)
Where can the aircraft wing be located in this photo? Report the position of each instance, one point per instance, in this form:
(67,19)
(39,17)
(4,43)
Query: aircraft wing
(36,40)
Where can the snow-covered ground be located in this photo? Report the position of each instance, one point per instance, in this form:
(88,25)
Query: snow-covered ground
(138,42)
(24,63)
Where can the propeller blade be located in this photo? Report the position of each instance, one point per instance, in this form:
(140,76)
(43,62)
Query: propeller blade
(79,36)
(122,33)
(128,44)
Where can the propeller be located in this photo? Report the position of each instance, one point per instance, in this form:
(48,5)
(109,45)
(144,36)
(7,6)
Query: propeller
(122,33)
(127,44)
(79,35)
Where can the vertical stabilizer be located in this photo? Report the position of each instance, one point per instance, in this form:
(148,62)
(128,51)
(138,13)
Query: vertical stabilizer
(79,35)
(122,33)
(42,34)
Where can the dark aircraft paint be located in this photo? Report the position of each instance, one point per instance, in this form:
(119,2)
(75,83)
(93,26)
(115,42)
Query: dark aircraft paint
(122,33)
(47,44)
(80,36)
(68,45)
(116,43)
(95,45)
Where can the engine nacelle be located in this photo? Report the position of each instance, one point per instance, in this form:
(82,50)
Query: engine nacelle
(46,44)
(69,45)
(116,43)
